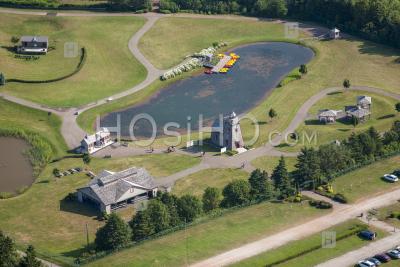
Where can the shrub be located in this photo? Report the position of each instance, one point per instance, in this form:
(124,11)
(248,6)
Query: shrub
(320,204)
(340,198)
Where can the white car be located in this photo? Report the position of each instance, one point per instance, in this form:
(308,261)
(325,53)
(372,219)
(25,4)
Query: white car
(366,263)
(391,178)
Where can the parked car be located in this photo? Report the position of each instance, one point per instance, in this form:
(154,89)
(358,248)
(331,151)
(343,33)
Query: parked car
(375,261)
(78,169)
(366,263)
(367,234)
(394,254)
(397,172)
(382,257)
(390,178)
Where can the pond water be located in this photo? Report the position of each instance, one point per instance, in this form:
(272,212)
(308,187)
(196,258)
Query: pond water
(260,68)
(15,168)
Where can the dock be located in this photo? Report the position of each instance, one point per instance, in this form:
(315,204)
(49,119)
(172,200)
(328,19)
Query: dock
(221,64)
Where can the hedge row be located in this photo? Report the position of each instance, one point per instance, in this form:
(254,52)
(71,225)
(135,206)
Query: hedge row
(351,232)
(82,61)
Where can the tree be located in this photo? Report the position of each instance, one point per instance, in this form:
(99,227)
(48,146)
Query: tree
(141,225)
(14,39)
(189,208)
(303,69)
(355,121)
(171,201)
(308,171)
(2,79)
(346,83)
(258,183)
(30,260)
(86,158)
(113,235)
(56,172)
(282,180)
(211,198)
(236,193)
(8,252)
(272,113)
(397,106)
(159,215)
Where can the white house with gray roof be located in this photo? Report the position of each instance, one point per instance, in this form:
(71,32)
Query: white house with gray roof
(34,44)
(113,190)
(95,142)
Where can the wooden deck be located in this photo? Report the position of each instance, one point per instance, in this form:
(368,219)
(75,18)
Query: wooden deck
(221,64)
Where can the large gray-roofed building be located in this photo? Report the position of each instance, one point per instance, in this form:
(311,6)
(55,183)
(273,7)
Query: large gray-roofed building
(110,190)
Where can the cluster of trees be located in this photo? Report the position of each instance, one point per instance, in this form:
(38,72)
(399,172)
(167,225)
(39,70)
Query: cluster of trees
(314,166)
(2,79)
(9,257)
(271,8)
(376,20)
(134,5)
(168,211)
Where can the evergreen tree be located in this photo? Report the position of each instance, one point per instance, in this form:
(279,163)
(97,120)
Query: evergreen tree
(236,193)
(303,69)
(334,158)
(397,106)
(308,172)
(377,140)
(141,225)
(86,158)
(29,260)
(2,79)
(355,121)
(113,235)
(189,208)
(258,183)
(346,83)
(171,201)
(282,180)
(159,215)
(272,113)
(211,198)
(8,252)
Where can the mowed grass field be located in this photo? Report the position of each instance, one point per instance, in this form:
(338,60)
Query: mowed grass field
(367,181)
(268,163)
(110,67)
(315,257)
(213,236)
(384,214)
(196,183)
(172,39)
(55,226)
(14,116)
(382,117)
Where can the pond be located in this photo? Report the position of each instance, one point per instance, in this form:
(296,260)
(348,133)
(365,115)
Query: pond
(16,170)
(260,69)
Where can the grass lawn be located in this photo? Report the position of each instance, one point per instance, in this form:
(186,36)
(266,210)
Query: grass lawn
(315,257)
(195,184)
(213,236)
(56,227)
(24,118)
(110,67)
(165,51)
(268,163)
(366,182)
(382,118)
(385,212)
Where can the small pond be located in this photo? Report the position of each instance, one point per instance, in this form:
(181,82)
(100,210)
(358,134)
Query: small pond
(16,170)
(260,69)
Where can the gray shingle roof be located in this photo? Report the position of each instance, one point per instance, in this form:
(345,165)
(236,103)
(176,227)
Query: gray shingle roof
(108,187)
(41,39)
(327,113)
(359,113)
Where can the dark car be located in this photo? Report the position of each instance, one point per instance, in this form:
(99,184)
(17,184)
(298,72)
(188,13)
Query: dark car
(397,172)
(375,261)
(368,235)
(382,257)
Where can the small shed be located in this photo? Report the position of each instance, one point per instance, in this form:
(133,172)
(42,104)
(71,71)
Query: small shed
(334,33)
(328,115)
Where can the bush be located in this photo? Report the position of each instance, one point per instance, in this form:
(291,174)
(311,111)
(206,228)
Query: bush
(340,198)
(320,204)
(395,215)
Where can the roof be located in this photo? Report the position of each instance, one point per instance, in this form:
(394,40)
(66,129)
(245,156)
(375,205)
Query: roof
(328,113)
(335,30)
(40,39)
(108,187)
(359,112)
(216,124)
(90,139)
(363,99)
